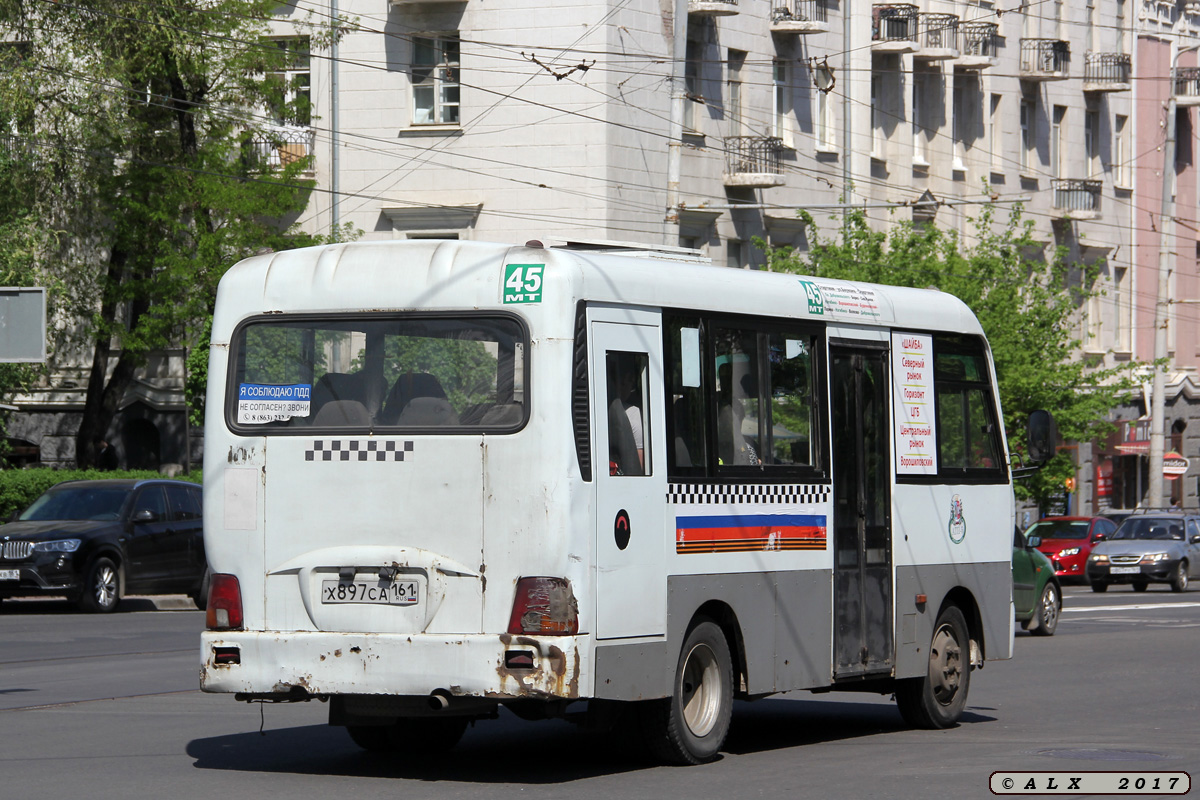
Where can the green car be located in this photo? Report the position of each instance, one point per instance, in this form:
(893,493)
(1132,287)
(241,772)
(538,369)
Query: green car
(1037,595)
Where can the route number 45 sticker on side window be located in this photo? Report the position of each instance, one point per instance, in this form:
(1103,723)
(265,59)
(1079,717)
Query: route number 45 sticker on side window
(522,283)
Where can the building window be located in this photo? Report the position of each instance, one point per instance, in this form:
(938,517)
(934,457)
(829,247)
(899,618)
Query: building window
(289,92)
(980,9)
(826,132)
(920,138)
(735,254)
(1092,31)
(1120,157)
(734,111)
(1028,133)
(1121,28)
(779,99)
(966,101)
(1121,308)
(1057,132)
(877,135)
(1098,310)
(692,73)
(1091,142)
(435,80)
(996,133)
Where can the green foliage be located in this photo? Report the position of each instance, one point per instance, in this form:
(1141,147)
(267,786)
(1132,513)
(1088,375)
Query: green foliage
(20,487)
(148,136)
(1026,304)
(465,369)
(196,385)
(21,239)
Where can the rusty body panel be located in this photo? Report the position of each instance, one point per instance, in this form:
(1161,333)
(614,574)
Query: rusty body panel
(324,664)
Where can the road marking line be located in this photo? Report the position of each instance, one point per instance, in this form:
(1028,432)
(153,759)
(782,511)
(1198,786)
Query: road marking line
(1132,608)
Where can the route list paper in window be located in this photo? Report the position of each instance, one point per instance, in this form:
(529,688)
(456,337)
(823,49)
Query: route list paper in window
(912,377)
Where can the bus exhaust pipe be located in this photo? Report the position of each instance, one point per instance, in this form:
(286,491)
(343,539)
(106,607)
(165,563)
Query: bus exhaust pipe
(439,700)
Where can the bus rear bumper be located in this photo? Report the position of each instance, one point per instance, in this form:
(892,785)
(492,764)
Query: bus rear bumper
(304,664)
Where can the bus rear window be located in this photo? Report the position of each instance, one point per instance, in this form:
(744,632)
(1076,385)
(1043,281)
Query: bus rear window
(429,373)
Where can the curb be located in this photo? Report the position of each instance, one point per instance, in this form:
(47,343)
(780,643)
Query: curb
(165,602)
(129,602)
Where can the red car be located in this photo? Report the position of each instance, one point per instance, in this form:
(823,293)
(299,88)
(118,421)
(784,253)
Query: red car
(1067,541)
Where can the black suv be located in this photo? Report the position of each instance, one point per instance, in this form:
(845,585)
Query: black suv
(95,541)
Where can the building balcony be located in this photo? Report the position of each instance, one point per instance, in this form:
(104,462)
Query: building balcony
(1045,59)
(753,162)
(713,8)
(18,150)
(799,16)
(894,28)
(937,37)
(283,147)
(1187,86)
(1107,72)
(1077,199)
(979,43)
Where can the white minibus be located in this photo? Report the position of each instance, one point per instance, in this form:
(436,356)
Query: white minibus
(441,477)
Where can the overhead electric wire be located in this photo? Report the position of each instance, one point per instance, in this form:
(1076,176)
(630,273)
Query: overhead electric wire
(859,180)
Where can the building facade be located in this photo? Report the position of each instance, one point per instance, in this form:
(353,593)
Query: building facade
(511,121)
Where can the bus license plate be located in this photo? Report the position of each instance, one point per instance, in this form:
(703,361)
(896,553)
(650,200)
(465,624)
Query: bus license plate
(1124,570)
(393,593)
(10,574)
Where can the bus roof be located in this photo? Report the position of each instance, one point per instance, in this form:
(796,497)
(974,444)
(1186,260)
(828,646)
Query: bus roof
(453,274)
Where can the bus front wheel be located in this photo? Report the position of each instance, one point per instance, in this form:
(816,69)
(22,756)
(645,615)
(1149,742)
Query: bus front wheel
(690,726)
(937,700)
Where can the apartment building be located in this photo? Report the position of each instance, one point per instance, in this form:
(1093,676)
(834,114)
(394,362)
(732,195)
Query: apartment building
(512,121)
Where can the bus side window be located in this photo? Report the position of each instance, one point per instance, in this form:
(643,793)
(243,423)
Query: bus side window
(737,398)
(790,365)
(968,431)
(686,418)
(628,420)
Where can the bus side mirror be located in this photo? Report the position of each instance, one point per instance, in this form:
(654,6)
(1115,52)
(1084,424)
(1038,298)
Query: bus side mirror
(1033,541)
(1043,436)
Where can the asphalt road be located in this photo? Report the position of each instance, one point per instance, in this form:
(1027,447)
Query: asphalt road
(107,707)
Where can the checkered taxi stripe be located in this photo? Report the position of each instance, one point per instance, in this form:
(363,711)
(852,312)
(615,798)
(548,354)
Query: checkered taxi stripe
(758,494)
(353,450)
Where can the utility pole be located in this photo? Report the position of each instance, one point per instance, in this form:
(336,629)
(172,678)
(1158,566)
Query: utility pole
(675,130)
(1166,218)
(335,185)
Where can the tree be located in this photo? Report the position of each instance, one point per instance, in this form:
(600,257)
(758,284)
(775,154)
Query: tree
(154,129)
(1026,303)
(21,239)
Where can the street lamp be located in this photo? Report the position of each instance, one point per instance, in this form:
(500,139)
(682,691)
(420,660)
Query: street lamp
(1158,404)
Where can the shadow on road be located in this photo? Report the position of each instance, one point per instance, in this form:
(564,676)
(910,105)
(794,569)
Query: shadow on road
(509,750)
(776,724)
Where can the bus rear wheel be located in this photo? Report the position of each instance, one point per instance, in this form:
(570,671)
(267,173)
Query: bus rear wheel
(690,726)
(937,700)
(419,736)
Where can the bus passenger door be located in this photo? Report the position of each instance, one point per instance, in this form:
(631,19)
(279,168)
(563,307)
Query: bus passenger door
(862,571)
(630,474)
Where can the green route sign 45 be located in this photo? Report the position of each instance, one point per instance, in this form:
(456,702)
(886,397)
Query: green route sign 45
(523,283)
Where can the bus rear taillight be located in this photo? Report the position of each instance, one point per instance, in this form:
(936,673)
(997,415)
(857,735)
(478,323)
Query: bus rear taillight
(544,606)
(224,603)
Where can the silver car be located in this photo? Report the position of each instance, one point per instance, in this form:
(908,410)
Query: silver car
(1148,548)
